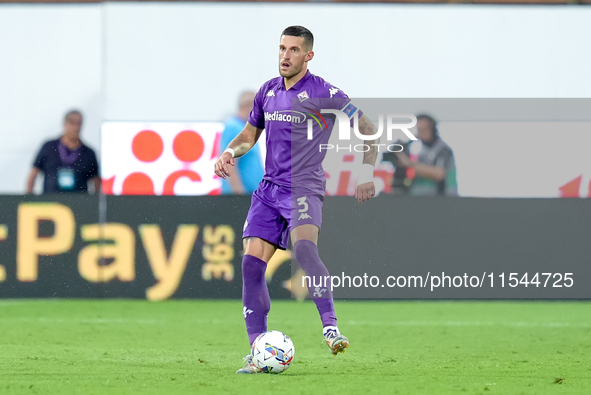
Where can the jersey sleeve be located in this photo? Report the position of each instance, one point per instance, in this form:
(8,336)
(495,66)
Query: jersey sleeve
(257,116)
(340,101)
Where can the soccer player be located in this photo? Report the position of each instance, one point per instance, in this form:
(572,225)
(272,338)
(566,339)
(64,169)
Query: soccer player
(288,201)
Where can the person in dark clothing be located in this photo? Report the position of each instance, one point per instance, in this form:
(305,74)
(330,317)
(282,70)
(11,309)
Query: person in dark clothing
(66,163)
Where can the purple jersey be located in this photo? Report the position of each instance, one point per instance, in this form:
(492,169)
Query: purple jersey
(293,160)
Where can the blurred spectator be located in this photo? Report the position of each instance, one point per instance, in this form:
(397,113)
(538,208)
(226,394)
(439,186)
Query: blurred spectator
(66,163)
(245,177)
(434,168)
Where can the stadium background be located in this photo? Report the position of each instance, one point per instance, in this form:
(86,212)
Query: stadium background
(187,62)
(184,64)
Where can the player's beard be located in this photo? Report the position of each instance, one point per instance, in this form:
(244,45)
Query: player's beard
(295,69)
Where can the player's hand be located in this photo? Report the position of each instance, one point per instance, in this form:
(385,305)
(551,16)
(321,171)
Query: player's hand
(222,165)
(365,192)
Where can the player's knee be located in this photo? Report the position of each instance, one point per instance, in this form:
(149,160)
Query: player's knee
(258,248)
(304,250)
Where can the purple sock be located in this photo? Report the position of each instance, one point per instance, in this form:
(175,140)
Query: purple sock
(306,253)
(255,296)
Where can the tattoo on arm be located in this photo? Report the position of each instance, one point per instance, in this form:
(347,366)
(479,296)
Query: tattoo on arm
(245,140)
(241,145)
(367,127)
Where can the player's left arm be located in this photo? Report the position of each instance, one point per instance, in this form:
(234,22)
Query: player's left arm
(365,185)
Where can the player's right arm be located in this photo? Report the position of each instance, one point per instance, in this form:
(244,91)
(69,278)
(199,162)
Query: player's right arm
(237,147)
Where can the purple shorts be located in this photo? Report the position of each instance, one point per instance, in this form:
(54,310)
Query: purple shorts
(275,210)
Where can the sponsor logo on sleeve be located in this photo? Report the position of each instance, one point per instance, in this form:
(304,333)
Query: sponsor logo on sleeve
(350,109)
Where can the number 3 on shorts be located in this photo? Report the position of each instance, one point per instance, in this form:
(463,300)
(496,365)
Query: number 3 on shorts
(302,202)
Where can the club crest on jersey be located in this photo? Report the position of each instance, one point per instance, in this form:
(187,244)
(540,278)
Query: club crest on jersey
(303,96)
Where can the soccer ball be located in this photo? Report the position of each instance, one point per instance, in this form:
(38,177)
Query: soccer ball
(272,352)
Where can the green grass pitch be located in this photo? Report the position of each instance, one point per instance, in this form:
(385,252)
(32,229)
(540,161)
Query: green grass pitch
(195,347)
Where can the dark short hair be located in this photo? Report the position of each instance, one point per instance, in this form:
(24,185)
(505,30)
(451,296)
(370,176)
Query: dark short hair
(431,120)
(300,31)
(73,112)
